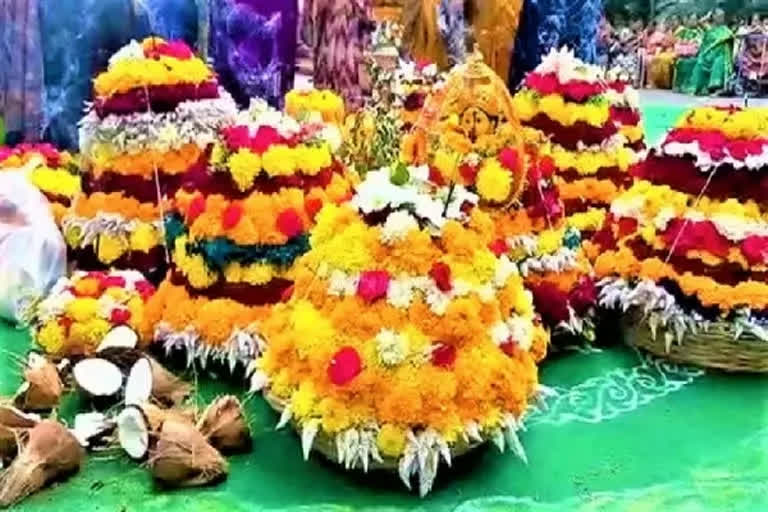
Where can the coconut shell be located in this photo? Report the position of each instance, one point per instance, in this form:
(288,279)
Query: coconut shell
(50,454)
(224,425)
(183,458)
(156,416)
(13,418)
(42,388)
(9,443)
(122,357)
(167,388)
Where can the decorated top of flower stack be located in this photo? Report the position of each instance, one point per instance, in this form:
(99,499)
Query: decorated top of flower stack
(306,104)
(625,111)
(693,231)
(237,229)
(407,340)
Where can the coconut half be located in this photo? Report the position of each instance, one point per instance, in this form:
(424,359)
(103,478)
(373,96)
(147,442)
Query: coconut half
(133,432)
(42,388)
(138,386)
(98,377)
(89,427)
(11,417)
(121,336)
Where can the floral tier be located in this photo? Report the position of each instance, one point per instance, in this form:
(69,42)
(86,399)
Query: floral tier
(407,341)
(52,171)
(236,231)
(155,114)
(570,102)
(687,245)
(471,137)
(80,310)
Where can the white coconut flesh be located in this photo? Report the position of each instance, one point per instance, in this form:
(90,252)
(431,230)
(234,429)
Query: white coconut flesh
(121,336)
(138,387)
(35,361)
(133,432)
(90,425)
(98,377)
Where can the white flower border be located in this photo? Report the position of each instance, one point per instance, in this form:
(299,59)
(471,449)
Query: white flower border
(704,161)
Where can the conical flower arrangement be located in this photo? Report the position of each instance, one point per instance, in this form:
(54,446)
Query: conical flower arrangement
(236,230)
(685,248)
(569,102)
(407,341)
(155,113)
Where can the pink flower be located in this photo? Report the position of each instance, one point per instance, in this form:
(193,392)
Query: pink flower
(236,137)
(120,316)
(373,285)
(289,223)
(345,365)
(265,137)
(755,249)
(498,247)
(543,84)
(113,281)
(583,296)
(176,49)
(509,159)
(231,216)
(145,289)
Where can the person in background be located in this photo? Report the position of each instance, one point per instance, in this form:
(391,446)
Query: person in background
(687,41)
(422,39)
(660,55)
(339,33)
(626,51)
(606,35)
(714,62)
(494,27)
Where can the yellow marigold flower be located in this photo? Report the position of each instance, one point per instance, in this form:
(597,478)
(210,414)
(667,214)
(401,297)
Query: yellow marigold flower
(311,160)
(554,106)
(51,337)
(110,248)
(549,241)
(55,181)
(257,274)
(312,330)
(244,166)
(494,183)
(197,273)
(524,303)
(335,416)
(87,287)
(596,115)
(89,334)
(218,154)
(73,236)
(303,400)
(144,238)
(391,440)
(83,309)
(279,160)
(524,106)
(447,163)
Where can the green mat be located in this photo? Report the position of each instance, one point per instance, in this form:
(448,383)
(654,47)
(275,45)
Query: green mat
(624,432)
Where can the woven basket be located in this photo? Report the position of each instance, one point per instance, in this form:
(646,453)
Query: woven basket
(325,445)
(715,348)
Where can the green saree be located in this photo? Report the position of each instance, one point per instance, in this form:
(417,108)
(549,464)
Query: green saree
(714,64)
(688,40)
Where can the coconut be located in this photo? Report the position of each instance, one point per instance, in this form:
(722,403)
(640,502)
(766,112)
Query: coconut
(9,444)
(123,358)
(156,416)
(91,427)
(13,418)
(133,432)
(52,453)
(138,386)
(98,377)
(223,424)
(183,458)
(166,387)
(42,388)
(121,336)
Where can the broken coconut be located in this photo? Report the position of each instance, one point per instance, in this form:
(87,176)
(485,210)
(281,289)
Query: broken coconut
(91,427)
(51,453)
(133,431)
(98,377)
(183,458)
(121,336)
(148,379)
(42,387)
(224,425)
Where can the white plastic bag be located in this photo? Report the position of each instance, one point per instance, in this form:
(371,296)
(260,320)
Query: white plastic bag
(33,255)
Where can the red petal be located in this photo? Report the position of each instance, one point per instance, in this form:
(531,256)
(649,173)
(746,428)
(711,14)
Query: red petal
(344,366)
(231,216)
(289,223)
(441,274)
(444,355)
(196,208)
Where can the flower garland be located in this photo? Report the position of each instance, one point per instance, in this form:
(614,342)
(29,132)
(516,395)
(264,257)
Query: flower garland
(328,105)
(42,155)
(80,310)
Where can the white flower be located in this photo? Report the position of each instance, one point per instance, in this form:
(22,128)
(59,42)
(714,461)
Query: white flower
(521,331)
(504,270)
(332,135)
(392,348)
(400,293)
(461,288)
(500,333)
(341,284)
(132,50)
(419,173)
(436,299)
(486,293)
(397,227)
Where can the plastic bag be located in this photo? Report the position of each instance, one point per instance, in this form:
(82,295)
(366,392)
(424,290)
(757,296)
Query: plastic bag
(33,255)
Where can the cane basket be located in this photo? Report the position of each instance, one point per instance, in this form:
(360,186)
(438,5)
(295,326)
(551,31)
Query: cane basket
(325,445)
(715,348)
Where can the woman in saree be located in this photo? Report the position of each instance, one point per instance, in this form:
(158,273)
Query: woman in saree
(494,25)
(688,39)
(714,62)
(660,56)
(421,34)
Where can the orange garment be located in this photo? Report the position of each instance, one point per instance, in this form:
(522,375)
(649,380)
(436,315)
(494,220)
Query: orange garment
(495,24)
(421,36)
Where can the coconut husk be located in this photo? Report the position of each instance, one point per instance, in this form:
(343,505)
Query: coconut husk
(13,418)
(42,388)
(156,416)
(167,388)
(9,444)
(50,454)
(183,458)
(224,425)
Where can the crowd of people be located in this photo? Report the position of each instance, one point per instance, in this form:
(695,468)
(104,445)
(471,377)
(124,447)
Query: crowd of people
(702,55)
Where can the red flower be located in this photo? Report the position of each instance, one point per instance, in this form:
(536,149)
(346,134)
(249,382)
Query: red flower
(289,223)
(692,235)
(755,249)
(627,226)
(345,365)
(236,137)
(441,274)
(120,316)
(510,347)
(444,355)
(145,289)
(113,281)
(177,49)
(435,177)
(414,101)
(231,215)
(196,208)
(312,205)
(579,90)
(509,159)
(286,294)
(265,137)
(498,247)
(66,323)
(583,296)
(543,84)
(546,167)
(422,63)
(468,172)
(373,284)
(551,303)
